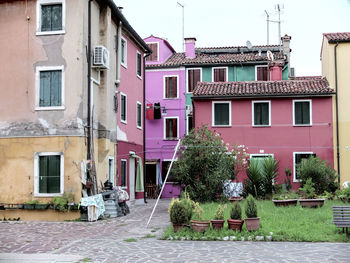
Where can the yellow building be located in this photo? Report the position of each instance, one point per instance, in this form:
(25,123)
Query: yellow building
(335,56)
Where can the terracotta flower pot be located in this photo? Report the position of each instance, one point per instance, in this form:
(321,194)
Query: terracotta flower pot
(200,226)
(177,227)
(234,224)
(217,223)
(311,202)
(286,202)
(235,198)
(252,223)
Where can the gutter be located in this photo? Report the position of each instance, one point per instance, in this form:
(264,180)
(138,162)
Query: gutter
(336,109)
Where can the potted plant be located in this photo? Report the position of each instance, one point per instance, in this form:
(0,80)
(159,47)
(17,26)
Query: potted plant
(236,222)
(178,216)
(219,219)
(39,206)
(30,205)
(61,202)
(198,223)
(251,210)
(285,199)
(309,195)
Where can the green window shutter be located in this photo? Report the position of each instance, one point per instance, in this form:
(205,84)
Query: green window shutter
(56,17)
(50,88)
(138,114)
(302,112)
(257,114)
(261,114)
(123,108)
(221,112)
(56,86)
(306,112)
(298,113)
(123,173)
(43,163)
(45,83)
(54,174)
(138,64)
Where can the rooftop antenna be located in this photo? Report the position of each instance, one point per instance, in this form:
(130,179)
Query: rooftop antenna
(183,25)
(267,22)
(278,9)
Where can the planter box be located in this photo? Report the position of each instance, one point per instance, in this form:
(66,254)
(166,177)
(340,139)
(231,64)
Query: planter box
(285,202)
(41,206)
(235,198)
(29,206)
(73,207)
(314,203)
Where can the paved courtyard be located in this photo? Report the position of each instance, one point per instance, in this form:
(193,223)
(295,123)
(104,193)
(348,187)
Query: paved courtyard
(104,241)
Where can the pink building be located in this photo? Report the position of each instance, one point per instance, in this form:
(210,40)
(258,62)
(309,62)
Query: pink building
(286,119)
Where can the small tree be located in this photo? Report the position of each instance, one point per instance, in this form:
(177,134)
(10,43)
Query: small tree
(236,211)
(203,164)
(323,176)
(251,209)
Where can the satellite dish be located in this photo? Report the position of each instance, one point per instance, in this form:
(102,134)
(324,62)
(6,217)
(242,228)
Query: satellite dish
(249,45)
(269,55)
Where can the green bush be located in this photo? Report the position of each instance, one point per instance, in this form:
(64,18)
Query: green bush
(203,164)
(236,211)
(343,194)
(251,209)
(178,213)
(323,176)
(219,213)
(308,190)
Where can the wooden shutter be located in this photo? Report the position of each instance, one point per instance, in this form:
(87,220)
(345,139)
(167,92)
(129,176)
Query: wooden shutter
(123,108)
(174,127)
(168,130)
(139,64)
(54,174)
(55,88)
(45,83)
(306,112)
(123,173)
(257,114)
(174,86)
(262,73)
(167,87)
(193,77)
(221,114)
(219,74)
(139,115)
(43,164)
(154,55)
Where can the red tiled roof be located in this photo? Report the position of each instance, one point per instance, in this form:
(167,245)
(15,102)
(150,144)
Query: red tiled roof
(237,47)
(310,87)
(307,77)
(338,37)
(203,58)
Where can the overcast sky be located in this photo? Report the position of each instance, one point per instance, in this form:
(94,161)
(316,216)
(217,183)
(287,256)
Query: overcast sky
(233,22)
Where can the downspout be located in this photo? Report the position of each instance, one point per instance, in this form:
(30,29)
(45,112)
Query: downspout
(336,109)
(117,81)
(144,126)
(89,84)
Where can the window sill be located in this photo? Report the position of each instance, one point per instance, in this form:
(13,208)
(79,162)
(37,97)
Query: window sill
(47,195)
(169,139)
(261,126)
(139,127)
(222,126)
(124,65)
(302,125)
(171,98)
(139,77)
(50,108)
(46,33)
(125,122)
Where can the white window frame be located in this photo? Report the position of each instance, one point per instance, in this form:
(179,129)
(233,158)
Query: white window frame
(310,111)
(295,180)
(126,173)
(177,87)
(200,79)
(40,3)
(138,103)
(187,123)
(167,160)
(113,169)
(138,53)
(213,113)
(126,108)
(157,50)
(36,174)
(164,129)
(212,72)
(125,64)
(257,102)
(37,87)
(256,71)
(252,155)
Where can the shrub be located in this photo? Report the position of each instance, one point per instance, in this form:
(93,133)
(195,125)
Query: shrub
(288,179)
(270,173)
(251,209)
(308,190)
(178,213)
(203,164)
(219,213)
(188,205)
(61,202)
(343,194)
(323,176)
(197,212)
(236,211)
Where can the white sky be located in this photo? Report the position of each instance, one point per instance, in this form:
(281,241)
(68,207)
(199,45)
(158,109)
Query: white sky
(233,22)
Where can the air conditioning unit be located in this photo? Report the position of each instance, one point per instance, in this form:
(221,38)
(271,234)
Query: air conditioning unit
(188,109)
(101,57)
(292,73)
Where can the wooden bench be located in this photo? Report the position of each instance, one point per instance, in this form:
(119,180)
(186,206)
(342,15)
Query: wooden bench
(341,218)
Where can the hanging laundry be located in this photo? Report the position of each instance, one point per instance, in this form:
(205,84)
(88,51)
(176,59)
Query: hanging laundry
(157,113)
(150,112)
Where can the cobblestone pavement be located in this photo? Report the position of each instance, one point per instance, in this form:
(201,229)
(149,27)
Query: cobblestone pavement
(104,241)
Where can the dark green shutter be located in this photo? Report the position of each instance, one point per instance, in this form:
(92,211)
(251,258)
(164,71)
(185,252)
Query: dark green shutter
(123,173)
(306,112)
(123,107)
(45,82)
(138,64)
(302,112)
(55,89)
(50,174)
(43,163)
(261,114)
(221,112)
(50,88)
(138,114)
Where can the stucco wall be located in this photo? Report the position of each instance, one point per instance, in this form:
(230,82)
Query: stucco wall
(164,51)
(281,139)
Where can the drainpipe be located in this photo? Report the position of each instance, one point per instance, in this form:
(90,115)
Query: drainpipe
(336,109)
(119,53)
(144,127)
(89,84)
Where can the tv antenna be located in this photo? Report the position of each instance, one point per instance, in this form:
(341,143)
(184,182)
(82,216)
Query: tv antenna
(183,25)
(278,9)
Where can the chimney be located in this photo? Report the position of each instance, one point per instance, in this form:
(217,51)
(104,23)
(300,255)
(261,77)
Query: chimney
(275,68)
(190,44)
(286,49)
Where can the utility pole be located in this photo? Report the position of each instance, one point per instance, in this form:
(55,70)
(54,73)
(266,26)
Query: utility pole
(183,25)
(267,22)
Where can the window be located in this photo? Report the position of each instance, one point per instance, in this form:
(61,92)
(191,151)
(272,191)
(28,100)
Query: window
(138,114)
(123,58)
(154,55)
(259,158)
(189,123)
(297,158)
(261,73)
(49,88)
(302,112)
(123,108)
(48,173)
(221,113)
(165,168)
(138,64)
(219,74)
(193,76)
(170,87)
(50,17)
(261,113)
(111,169)
(123,173)
(171,128)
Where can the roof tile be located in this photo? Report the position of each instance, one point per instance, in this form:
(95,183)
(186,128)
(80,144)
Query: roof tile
(340,36)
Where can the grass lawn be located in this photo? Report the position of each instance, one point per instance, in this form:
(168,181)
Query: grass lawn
(292,223)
